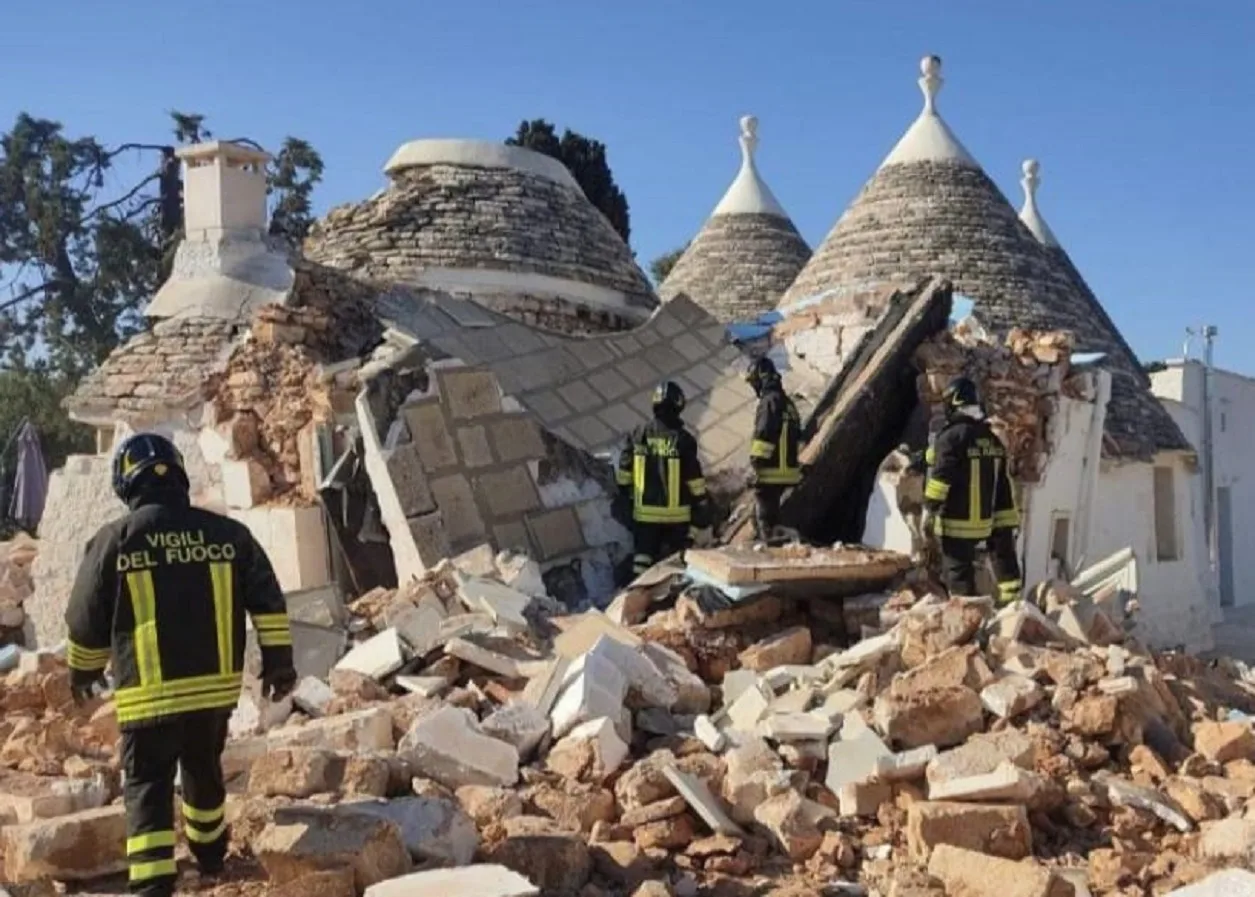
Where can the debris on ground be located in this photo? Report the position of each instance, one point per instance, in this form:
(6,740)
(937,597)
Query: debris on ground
(16,585)
(750,722)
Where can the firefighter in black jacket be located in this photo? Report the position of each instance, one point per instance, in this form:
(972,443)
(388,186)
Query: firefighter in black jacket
(162,594)
(775,445)
(660,478)
(968,497)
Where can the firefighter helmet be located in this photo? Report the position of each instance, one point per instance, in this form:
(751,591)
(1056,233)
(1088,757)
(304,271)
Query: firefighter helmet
(141,459)
(761,370)
(668,397)
(960,393)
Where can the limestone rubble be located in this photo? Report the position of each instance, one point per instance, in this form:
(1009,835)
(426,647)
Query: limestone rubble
(656,752)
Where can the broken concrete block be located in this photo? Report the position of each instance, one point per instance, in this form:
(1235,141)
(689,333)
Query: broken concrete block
(994,829)
(797,700)
(313,696)
(792,646)
(580,637)
(519,724)
(735,682)
(362,730)
(971,873)
(434,830)
(1006,783)
(447,746)
(854,759)
(594,687)
(748,709)
(941,716)
(862,655)
(592,751)
(708,733)
(1125,794)
(692,694)
(792,823)
(377,657)
(863,798)
(1224,742)
(557,860)
(789,727)
(81,846)
(753,773)
(639,671)
(507,606)
(840,702)
(1120,685)
(25,798)
(521,573)
(983,753)
(483,880)
(483,655)
(419,623)
(703,802)
(906,766)
(305,840)
(424,686)
(542,689)
(1010,696)
(296,772)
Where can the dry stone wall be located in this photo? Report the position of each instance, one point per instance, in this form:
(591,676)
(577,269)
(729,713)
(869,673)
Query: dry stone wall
(738,266)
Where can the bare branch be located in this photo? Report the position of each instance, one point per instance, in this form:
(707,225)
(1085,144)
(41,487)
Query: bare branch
(120,201)
(26,294)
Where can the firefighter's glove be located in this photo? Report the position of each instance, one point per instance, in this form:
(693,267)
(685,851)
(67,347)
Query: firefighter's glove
(277,685)
(87,685)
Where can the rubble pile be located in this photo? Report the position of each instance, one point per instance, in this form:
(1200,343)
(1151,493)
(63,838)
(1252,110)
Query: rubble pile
(275,393)
(16,585)
(1018,379)
(711,736)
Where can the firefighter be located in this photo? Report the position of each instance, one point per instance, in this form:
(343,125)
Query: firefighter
(660,479)
(968,497)
(774,449)
(161,595)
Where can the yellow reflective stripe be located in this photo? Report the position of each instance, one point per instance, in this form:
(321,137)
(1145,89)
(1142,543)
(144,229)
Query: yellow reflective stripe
(224,700)
(220,575)
(86,659)
(697,486)
(638,478)
(965,529)
(1003,519)
(1011,585)
(973,490)
(782,459)
(673,482)
(936,490)
(790,476)
(761,449)
(144,603)
(149,841)
(652,514)
(204,817)
(274,639)
(273,630)
(623,477)
(196,836)
(158,869)
(270,621)
(177,688)
(930,456)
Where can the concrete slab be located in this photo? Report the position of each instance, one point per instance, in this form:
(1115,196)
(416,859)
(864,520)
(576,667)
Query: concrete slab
(705,804)
(854,759)
(377,657)
(447,746)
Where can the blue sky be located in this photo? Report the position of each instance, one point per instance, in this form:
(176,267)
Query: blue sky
(1142,113)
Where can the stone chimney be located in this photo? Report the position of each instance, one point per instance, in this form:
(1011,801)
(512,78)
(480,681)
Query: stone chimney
(224,191)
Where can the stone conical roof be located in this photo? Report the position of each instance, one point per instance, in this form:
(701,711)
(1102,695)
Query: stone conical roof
(931,210)
(748,251)
(506,225)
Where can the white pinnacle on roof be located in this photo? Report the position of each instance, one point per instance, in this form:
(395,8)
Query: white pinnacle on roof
(929,138)
(1029,214)
(749,195)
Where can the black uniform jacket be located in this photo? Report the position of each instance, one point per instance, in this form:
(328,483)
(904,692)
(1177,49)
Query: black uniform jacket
(777,434)
(968,483)
(163,593)
(660,468)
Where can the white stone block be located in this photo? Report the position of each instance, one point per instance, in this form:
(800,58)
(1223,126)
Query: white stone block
(447,746)
(708,733)
(749,708)
(593,687)
(469,881)
(505,605)
(295,539)
(854,759)
(640,672)
(245,484)
(609,747)
(519,724)
(905,766)
(377,657)
(787,727)
(362,731)
(1011,695)
(313,696)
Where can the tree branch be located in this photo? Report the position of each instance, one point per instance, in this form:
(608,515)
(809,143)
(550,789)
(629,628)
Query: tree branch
(26,294)
(117,202)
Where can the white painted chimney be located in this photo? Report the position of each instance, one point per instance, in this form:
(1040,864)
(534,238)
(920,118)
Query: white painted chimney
(224,191)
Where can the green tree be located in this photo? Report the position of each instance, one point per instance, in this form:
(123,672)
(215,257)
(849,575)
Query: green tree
(586,160)
(660,267)
(78,261)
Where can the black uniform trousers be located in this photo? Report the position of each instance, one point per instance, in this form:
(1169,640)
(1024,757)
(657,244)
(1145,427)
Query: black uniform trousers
(766,509)
(958,560)
(655,541)
(193,744)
